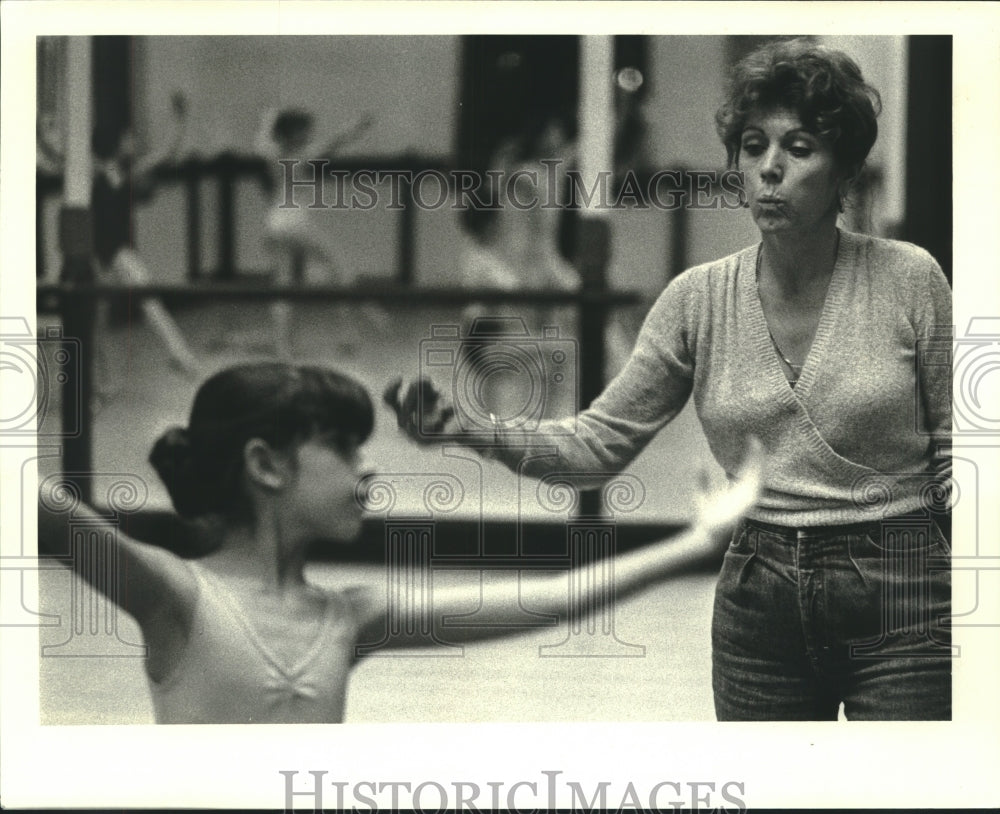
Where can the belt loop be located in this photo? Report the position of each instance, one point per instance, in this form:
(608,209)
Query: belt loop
(854,562)
(752,540)
(744,571)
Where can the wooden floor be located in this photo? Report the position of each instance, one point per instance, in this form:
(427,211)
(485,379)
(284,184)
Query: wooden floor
(140,395)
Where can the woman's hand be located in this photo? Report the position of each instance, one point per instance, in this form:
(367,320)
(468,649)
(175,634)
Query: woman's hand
(423,412)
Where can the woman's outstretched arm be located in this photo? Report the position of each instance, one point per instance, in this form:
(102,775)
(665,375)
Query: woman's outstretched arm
(590,446)
(701,545)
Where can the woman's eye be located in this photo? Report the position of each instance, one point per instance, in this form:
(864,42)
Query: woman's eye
(800,151)
(753,149)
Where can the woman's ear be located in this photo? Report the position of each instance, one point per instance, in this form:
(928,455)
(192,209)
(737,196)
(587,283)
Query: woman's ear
(847,182)
(266,466)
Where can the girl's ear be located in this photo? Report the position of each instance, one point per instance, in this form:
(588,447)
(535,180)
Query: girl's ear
(265,466)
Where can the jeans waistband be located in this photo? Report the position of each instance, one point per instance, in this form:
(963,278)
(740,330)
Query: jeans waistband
(836,529)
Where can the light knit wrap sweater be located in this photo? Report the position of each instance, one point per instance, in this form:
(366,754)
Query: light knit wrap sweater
(859,437)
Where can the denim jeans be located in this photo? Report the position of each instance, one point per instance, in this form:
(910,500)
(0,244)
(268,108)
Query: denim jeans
(808,619)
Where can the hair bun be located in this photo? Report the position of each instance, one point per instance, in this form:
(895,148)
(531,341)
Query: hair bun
(173,459)
(177,438)
(172,450)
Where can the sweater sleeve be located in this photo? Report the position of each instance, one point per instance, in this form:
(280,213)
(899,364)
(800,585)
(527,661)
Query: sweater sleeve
(935,338)
(650,390)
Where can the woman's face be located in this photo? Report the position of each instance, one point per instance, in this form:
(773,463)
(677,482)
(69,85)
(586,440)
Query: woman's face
(790,175)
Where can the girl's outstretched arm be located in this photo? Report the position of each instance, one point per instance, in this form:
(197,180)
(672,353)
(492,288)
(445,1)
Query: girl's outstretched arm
(153,585)
(701,545)
(352,132)
(147,164)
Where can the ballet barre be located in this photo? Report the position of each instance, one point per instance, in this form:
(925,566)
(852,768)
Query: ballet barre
(52,297)
(227,170)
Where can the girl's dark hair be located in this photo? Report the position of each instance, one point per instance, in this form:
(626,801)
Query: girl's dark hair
(201,465)
(290,123)
(822,85)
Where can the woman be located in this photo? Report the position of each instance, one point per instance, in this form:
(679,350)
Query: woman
(271,462)
(807,340)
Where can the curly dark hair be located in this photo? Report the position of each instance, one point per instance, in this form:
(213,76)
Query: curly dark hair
(822,85)
(202,464)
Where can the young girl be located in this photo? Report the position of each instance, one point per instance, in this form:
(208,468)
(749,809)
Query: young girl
(293,235)
(271,460)
(123,177)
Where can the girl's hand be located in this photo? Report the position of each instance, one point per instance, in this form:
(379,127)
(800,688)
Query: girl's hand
(364,123)
(425,414)
(719,509)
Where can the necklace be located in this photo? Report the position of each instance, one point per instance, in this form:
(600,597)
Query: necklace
(796,369)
